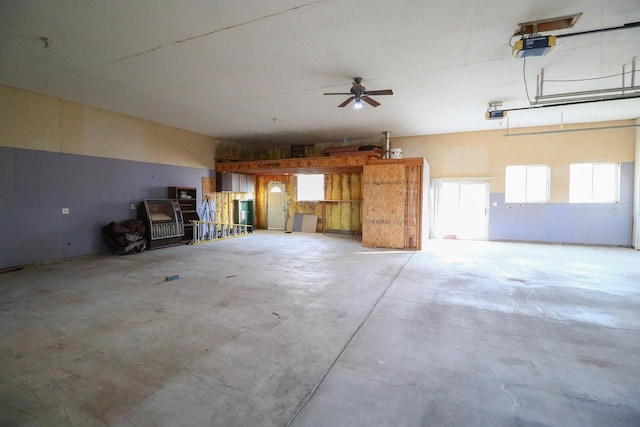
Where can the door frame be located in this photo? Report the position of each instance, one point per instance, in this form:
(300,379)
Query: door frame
(435,198)
(282,185)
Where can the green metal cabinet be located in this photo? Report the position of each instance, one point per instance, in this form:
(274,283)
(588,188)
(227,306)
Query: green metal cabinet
(243,212)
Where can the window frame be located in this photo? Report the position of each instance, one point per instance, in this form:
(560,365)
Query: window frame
(526,198)
(617,169)
(310,199)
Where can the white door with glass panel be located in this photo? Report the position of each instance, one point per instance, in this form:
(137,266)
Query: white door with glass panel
(460,209)
(276,206)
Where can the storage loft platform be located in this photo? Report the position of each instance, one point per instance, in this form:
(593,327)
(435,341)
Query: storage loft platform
(391,202)
(323,165)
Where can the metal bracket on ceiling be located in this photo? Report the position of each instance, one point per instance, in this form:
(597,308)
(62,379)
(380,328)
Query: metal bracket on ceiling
(601,94)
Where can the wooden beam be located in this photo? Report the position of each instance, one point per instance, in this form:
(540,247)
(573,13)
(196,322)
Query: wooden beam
(304,165)
(321,165)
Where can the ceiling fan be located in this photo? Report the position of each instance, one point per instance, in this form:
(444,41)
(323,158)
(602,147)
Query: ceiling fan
(360,93)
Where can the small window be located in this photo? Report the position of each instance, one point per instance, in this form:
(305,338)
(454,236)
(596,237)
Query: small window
(310,187)
(594,183)
(527,184)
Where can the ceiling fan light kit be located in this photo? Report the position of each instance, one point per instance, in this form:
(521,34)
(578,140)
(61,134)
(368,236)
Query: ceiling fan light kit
(359,93)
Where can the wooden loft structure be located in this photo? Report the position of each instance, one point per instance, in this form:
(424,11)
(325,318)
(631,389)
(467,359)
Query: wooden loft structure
(323,165)
(394,205)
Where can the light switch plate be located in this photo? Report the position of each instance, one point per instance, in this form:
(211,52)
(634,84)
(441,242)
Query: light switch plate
(65,211)
(133,206)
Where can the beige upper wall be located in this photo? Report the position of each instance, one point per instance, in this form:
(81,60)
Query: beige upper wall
(40,122)
(488,153)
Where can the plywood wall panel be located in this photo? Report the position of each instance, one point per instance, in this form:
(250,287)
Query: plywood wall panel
(413,202)
(384,195)
(209,188)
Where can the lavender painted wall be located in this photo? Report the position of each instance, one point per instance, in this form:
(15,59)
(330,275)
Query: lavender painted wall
(583,223)
(36,185)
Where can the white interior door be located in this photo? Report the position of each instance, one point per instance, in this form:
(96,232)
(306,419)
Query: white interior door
(276,206)
(461,209)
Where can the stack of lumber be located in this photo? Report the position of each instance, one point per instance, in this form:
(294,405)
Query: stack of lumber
(353,150)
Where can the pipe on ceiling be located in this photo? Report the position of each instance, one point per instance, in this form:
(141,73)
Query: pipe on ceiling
(547,132)
(578,101)
(601,30)
(387,144)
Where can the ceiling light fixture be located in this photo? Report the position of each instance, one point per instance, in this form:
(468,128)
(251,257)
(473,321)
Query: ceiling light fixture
(358,104)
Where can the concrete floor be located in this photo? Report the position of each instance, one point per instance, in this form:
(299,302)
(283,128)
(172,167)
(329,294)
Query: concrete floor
(297,329)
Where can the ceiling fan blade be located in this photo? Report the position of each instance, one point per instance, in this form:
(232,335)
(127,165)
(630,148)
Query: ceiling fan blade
(337,93)
(345,103)
(370,101)
(379,92)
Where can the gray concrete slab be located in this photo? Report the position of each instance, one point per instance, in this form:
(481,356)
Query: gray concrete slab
(280,329)
(494,334)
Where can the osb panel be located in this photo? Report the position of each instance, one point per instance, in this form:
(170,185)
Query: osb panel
(208,188)
(305,165)
(414,214)
(383,207)
(234,152)
(328,161)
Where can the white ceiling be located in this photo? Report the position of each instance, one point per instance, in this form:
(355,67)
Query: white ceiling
(255,70)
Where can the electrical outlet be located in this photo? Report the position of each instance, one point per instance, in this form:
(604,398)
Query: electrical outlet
(133,206)
(65,211)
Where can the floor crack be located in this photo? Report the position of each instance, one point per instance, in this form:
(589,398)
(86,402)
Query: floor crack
(344,348)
